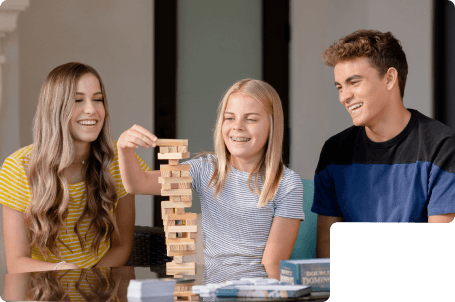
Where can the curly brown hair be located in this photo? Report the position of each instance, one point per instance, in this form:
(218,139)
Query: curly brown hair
(382,49)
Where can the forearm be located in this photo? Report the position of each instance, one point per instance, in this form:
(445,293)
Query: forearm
(130,170)
(117,256)
(273,269)
(27,264)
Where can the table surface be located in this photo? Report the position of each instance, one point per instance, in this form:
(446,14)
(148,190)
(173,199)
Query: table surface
(103,284)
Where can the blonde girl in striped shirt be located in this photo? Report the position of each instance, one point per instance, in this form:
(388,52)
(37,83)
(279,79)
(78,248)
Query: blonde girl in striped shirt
(251,203)
(64,205)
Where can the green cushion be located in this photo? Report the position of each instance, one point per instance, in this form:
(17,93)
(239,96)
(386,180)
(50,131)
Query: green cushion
(305,245)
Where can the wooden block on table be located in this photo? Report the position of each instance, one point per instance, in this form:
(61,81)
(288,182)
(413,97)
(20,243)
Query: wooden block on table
(166,187)
(185,167)
(176,192)
(174,155)
(175,204)
(184,173)
(171,142)
(174,180)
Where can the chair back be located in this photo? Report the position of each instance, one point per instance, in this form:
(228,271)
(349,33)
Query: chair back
(305,245)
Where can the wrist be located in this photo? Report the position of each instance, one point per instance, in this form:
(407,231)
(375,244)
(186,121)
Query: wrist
(58,264)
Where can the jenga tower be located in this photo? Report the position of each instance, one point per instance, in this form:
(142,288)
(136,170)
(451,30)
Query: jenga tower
(179,227)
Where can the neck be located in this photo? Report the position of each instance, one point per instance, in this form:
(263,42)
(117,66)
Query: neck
(389,124)
(245,164)
(81,151)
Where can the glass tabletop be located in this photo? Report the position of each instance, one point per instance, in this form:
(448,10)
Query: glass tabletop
(103,284)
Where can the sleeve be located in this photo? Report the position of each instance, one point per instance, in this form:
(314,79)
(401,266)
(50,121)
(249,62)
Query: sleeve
(201,171)
(325,199)
(441,182)
(289,198)
(14,187)
(115,171)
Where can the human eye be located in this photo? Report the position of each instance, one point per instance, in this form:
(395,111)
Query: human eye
(99,100)
(78,100)
(251,119)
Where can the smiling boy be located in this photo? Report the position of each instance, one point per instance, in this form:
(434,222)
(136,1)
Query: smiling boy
(394,164)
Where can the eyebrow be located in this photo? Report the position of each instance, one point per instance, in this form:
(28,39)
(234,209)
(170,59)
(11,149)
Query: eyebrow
(356,76)
(245,113)
(96,93)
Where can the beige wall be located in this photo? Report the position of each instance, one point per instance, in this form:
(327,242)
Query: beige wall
(316,111)
(115,37)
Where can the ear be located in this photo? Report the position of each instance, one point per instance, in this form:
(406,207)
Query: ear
(391,78)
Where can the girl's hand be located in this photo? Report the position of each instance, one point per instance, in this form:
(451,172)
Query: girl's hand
(64,266)
(136,136)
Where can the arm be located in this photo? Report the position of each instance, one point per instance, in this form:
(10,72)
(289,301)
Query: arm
(323,235)
(134,179)
(18,257)
(121,248)
(280,244)
(441,218)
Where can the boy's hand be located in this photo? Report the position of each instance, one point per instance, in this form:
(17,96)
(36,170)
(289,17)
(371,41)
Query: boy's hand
(136,136)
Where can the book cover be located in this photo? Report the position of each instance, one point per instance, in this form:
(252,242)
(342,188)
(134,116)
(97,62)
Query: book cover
(314,272)
(264,291)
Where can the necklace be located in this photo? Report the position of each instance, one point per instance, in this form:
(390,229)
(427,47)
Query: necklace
(79,161)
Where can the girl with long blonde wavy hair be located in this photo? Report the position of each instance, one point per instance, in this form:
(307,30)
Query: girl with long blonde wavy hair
(64,205)
(251,203)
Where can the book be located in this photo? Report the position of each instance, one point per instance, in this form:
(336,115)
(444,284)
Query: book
(314,272)
(264,291)
(151,288)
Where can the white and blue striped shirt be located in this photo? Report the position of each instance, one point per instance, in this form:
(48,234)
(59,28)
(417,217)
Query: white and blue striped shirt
(234,229)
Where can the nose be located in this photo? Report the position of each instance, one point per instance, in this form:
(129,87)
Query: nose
(345,96)
(238,124)
(89,107)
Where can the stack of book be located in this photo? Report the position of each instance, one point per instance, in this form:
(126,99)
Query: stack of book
(151,288)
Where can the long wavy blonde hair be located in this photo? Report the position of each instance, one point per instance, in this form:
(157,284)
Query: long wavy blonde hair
(270,167)
(53,151)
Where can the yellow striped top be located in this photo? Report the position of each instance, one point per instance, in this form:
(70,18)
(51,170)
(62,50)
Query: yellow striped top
(15,193)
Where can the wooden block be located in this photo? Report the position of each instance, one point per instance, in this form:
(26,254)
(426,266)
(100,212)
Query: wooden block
(182,149)
(175,173)
(173,162)
(189,235)
(166,173)
(166,187)
(183,228)
(164,149)
(175,204)
(174,180)
(170,235)
(176,192)
(174,149)
(180,247)
(174,198)
(174,155)
(179,211)
(180,240)
(187,294)
(184,173)
(167,211)
(184,185)
(186,265)
(181,253)
(168,222)
(171,142)
(184,216)
(185,167)
(176,276)
(189,222)
(178,259)
(186,198)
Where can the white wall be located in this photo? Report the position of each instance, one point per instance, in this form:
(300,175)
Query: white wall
(115,37)
(316,112)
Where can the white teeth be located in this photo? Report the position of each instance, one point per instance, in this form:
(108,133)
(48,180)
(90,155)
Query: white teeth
(92,122)
(355,106)
(240,139)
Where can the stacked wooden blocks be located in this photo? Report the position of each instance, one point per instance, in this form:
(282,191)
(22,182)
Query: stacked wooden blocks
(179,226)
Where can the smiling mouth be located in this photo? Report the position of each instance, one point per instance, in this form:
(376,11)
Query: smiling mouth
(87,122)
(356,106)
(240,139)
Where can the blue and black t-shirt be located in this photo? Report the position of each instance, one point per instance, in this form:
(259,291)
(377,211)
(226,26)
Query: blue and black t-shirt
(405,179)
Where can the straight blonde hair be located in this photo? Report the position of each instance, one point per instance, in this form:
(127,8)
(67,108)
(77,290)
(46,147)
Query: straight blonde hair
(53,151)
(270,167)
